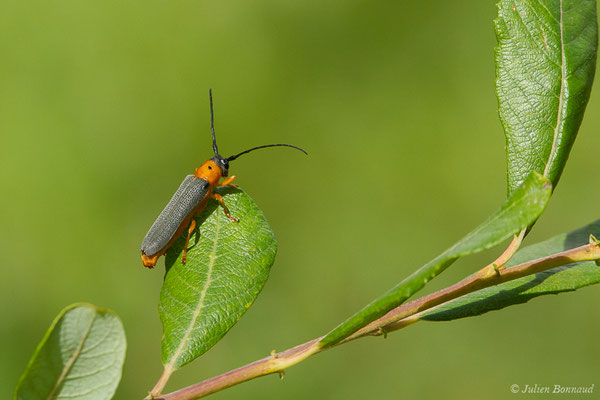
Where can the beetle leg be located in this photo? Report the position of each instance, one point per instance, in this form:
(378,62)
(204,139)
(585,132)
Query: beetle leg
(187,241)
(219,198)
(227,182)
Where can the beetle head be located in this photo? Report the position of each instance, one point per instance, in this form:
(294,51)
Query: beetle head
(223,163)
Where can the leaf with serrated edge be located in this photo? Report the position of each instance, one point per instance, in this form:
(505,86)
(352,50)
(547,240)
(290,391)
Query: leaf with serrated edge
(227,265)
(554,281)
(545,64)
(80,357)
(522,208)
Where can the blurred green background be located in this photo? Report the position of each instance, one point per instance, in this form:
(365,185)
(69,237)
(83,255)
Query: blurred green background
(104,109)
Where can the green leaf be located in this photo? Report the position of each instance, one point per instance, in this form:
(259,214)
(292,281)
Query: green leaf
(557,280)
(522,208)
(545,64)
(227,265)
(80,357)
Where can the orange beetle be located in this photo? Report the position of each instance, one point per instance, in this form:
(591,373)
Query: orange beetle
(189,201)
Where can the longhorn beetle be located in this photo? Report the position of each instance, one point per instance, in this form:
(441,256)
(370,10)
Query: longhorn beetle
(190,199)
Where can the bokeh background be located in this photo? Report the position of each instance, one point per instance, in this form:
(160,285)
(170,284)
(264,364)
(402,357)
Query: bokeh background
(104,109)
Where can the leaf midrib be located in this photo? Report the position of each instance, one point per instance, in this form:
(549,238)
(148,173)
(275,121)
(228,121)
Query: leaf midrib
(71,361)
(171,364)
(561,96)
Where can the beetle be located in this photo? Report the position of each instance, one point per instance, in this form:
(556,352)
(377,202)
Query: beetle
(190,199)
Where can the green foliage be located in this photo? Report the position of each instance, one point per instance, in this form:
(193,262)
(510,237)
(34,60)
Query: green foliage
(545,63)
(557,280)
(80,357)
(522,208)
(227,266)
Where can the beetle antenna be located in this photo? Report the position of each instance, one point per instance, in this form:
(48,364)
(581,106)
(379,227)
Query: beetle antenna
(262,147)
(212,124)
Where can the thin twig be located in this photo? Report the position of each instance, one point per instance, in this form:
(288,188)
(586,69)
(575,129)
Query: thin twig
(485,278)
(400,317)
(276,363)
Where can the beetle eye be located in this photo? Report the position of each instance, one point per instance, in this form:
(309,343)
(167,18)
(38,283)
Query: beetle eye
(209,167)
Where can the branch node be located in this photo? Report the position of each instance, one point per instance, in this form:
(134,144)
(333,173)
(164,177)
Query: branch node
(382,332)
(281,374)
(274,354)
(497,268)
